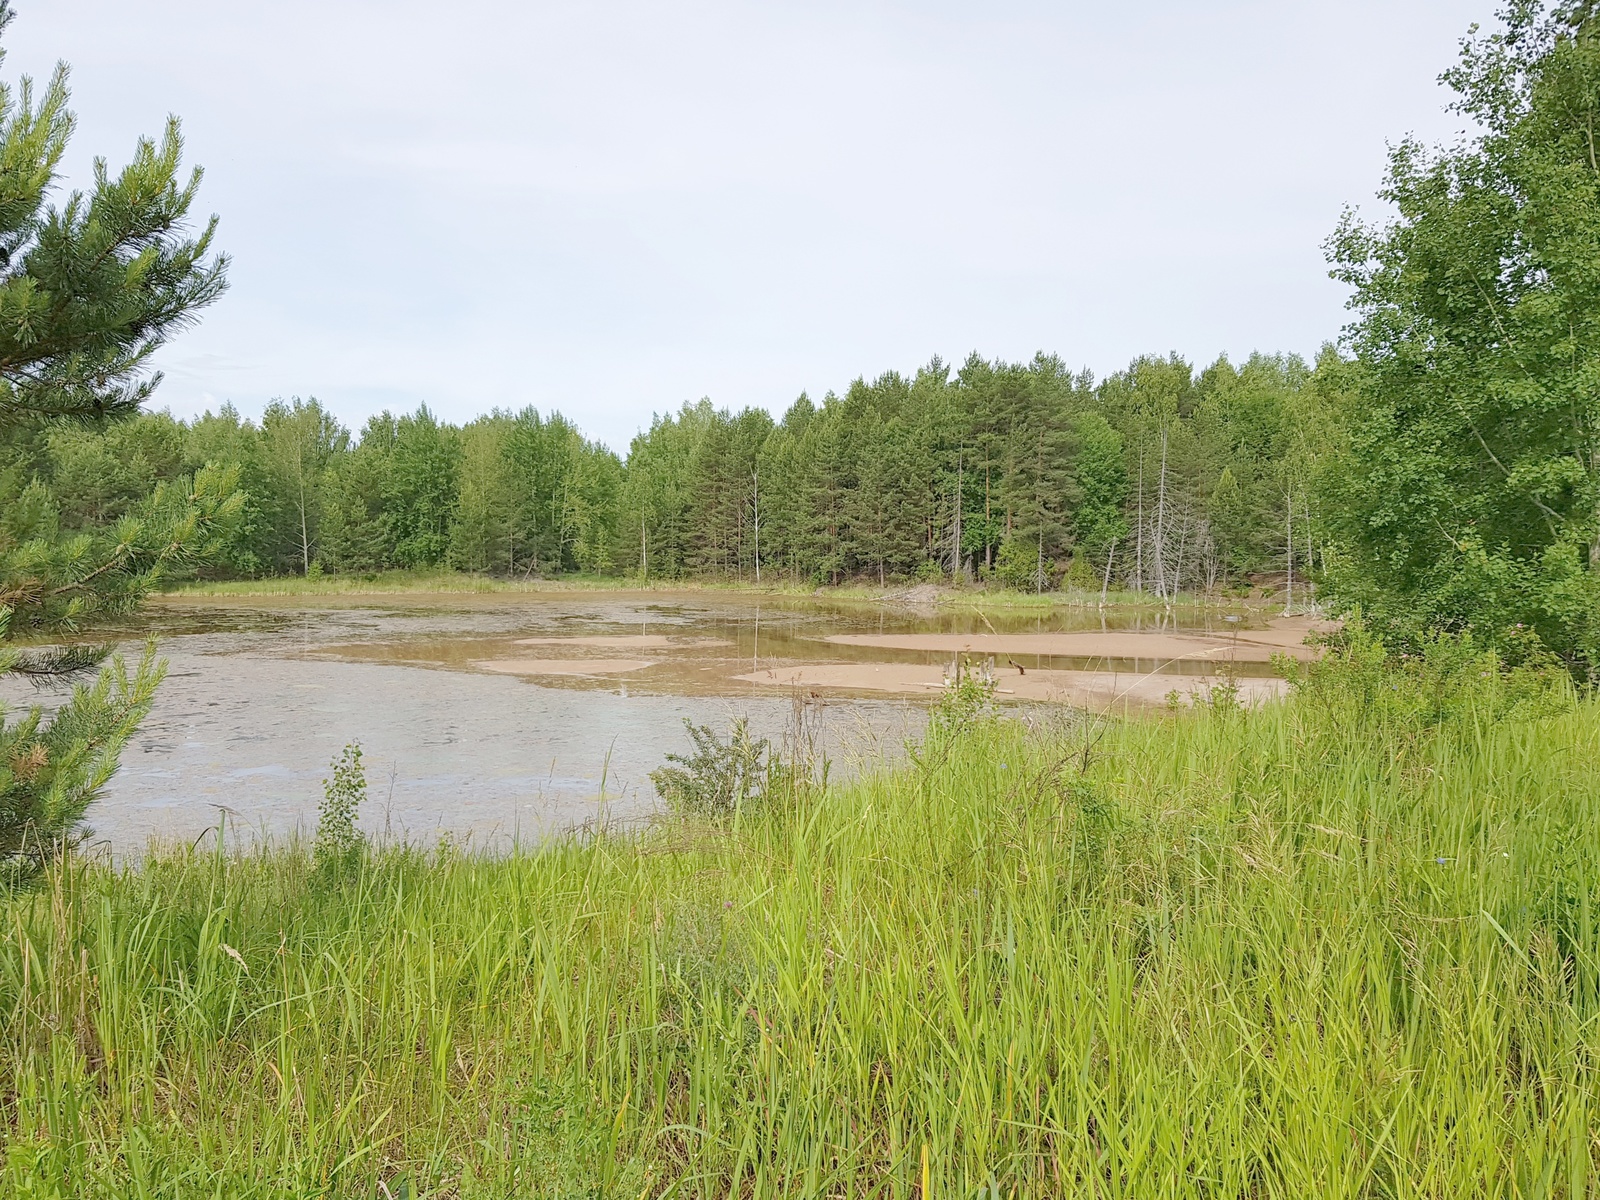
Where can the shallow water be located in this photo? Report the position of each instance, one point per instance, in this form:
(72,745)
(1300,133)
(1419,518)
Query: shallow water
(501,716)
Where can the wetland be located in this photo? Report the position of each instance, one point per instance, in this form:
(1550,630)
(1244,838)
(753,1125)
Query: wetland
(501,717)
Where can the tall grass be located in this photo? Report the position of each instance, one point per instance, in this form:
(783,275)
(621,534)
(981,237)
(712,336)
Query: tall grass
(448,582)
(1339,946)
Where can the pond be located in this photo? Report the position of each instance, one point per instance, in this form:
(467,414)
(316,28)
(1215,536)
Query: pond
(498,717)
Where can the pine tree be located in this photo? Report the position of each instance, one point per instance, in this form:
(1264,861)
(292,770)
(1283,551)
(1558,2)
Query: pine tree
(783,504)
(1036,488)
(88,291)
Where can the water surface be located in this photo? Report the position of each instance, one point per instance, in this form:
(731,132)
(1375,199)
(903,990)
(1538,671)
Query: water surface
(514,715)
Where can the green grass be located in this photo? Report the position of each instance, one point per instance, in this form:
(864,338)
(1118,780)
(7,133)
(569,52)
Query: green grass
(445,582)
(452,582)
(1340,946)
(385,583)
(994,597)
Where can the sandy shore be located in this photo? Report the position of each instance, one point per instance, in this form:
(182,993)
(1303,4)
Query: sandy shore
(626,641)
(1250,645)
(564,666)
(1095,689)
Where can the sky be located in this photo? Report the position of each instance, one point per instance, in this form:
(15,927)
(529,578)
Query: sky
(611,208)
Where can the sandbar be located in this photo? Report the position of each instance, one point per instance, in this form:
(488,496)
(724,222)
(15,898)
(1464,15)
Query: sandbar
(628,641)
(1250,645)
(1097,689)
(563,666)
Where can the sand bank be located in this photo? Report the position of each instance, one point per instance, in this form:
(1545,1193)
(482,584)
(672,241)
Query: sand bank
(1096,689)
(626,641)
(563,666)
(1250,645)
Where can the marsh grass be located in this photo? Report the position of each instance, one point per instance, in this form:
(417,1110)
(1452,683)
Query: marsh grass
(445,582)
(384,583)
(1339,946)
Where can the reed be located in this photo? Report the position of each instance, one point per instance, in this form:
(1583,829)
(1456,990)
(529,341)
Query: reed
(1339,946)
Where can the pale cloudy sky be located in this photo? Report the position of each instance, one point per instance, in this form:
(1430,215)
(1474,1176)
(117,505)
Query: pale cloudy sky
(611,208)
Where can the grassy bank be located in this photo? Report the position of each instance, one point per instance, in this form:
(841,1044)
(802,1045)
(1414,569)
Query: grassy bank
(388,583)
(1341,946)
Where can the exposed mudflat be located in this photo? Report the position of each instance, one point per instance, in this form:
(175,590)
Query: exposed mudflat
(564,666)
(627,641)
(1090,689)
(1284,636)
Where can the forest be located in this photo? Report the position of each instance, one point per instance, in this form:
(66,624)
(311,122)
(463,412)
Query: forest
(1159,478)
(1342,943)
(1436,470)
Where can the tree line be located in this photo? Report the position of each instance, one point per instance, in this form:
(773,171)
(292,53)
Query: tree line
(1159,478)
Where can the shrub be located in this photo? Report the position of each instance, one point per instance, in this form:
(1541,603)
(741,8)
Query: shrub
(340,847)
(967,700)
(1018,566)
(1446,679)
(721,777)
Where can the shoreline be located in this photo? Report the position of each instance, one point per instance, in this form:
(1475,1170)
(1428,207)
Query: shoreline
(908,595)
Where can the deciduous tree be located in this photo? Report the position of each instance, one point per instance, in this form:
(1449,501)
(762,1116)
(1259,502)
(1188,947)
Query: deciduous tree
(1471,493)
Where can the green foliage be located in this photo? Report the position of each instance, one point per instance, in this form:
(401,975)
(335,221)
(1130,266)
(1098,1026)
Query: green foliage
(966,702)
(340,846)
(483,537)
(720,779)
(1019,565)
(52,770)
(88,291)
(877,484)
(1391,698)
(1471,495)
(297,444)
(1102,478)
(420,489)
(355,536)
(1297,959)
(49,583)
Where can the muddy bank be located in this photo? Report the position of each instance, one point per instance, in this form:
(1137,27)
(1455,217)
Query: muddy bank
(627,641)
(1090,689)
(1285,636)
(564,666)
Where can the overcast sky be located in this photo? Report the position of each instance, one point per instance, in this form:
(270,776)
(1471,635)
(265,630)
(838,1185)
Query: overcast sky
(611,208)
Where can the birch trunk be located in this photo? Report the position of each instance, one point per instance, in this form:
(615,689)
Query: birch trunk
(1288,599)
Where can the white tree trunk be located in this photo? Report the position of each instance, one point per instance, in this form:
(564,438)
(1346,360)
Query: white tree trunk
(1288,600)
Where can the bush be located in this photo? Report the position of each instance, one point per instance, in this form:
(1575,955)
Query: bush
(967,700)
(720,778)
(339,847)
(1446,679)
(1018,566)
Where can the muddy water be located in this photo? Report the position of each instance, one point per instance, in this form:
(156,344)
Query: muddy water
(510,716)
